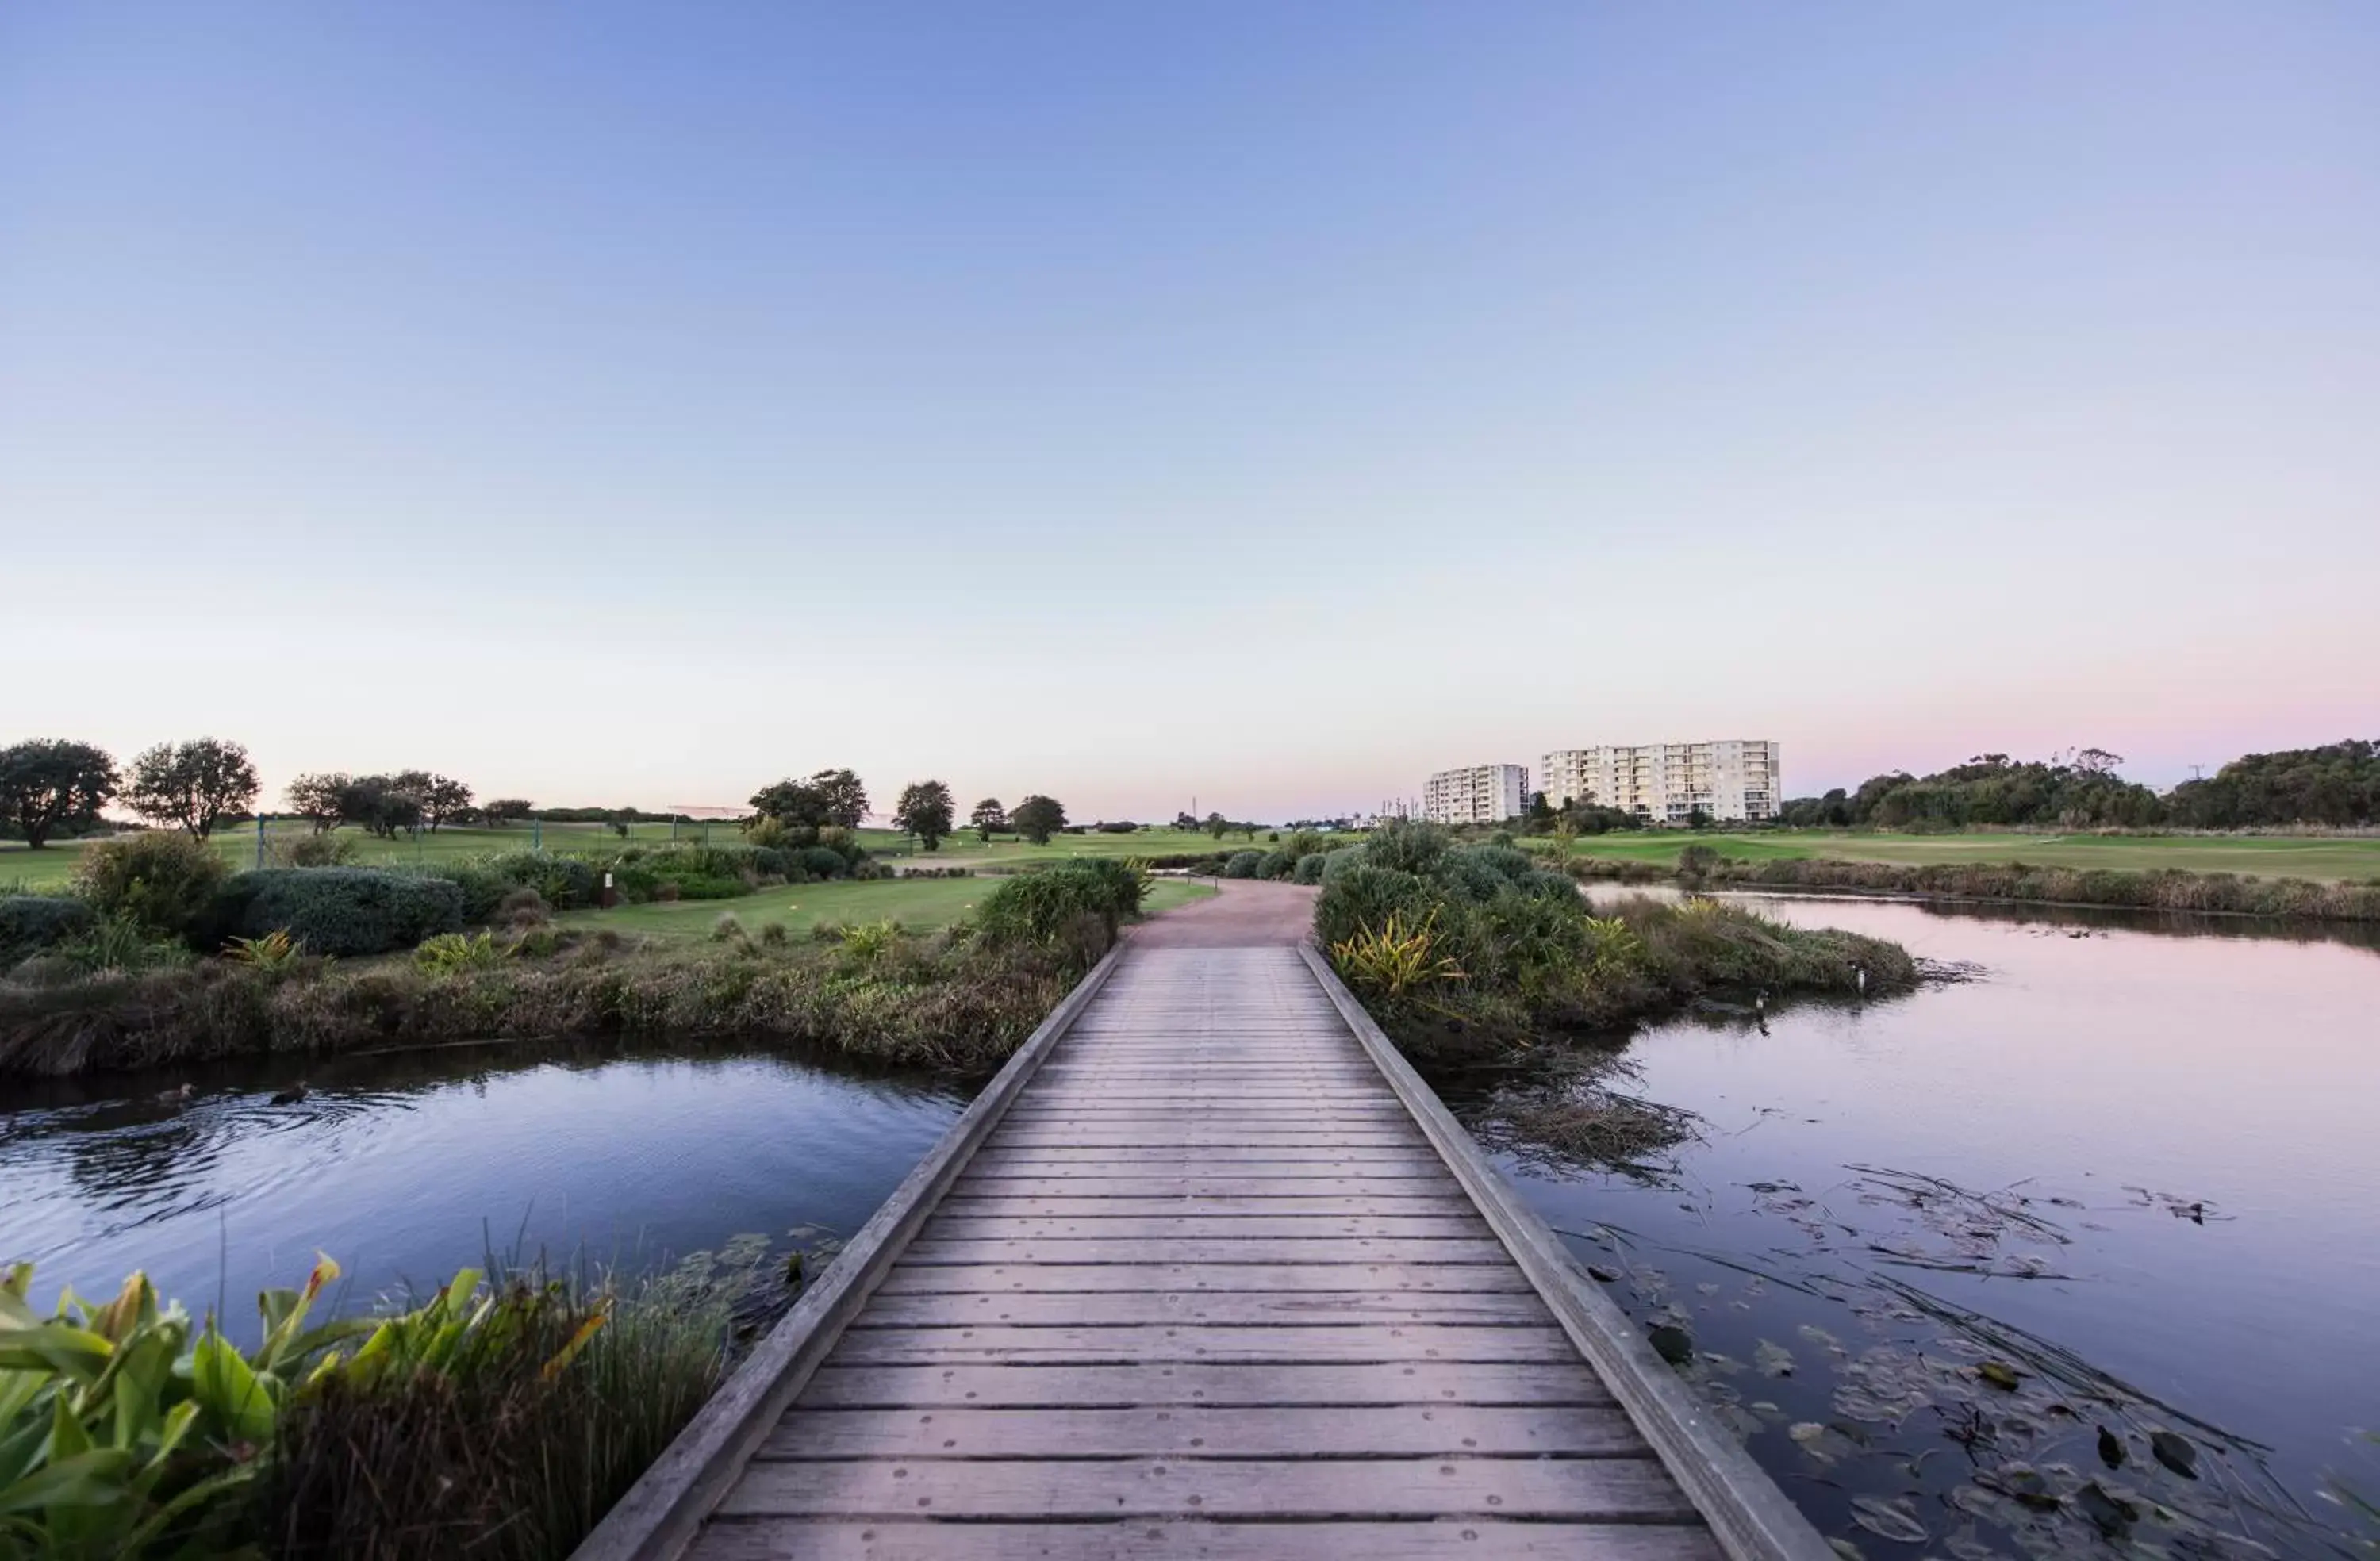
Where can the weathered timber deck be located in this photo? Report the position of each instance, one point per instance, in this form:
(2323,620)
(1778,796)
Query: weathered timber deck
(1207,1272)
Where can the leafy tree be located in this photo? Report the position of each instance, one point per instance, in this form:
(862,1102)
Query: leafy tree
(444,800)
(2337,783)
(989,818)
(316,797)
(49,785)
(192,784)
(831,797)
(1038,817)
(925,811)
(507,810)
(1541,814)
(380,804)
(1216,825)
(1699,818)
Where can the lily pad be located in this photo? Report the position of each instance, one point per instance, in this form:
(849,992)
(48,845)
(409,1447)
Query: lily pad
(1774,1360)
(2112,1513)
(2176,1452)
(2000,1374)
(1893,1519)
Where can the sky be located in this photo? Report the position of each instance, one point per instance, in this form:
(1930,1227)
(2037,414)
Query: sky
(1268,405)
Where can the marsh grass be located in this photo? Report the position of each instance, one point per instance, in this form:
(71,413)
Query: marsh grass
(961,1003)
(511,1438)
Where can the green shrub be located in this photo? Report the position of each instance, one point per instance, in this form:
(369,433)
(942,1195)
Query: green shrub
(340,911)
(565,883)
(1310,867)
(1278,863)
(30,923)
(317,849)
(1243,864)
(1362,898)
(1341,862)
(1051,908)
(822,862)
(118,945)
(1404,846)
(165,880)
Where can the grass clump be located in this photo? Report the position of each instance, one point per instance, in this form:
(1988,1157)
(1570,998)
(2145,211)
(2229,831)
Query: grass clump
(2166,889)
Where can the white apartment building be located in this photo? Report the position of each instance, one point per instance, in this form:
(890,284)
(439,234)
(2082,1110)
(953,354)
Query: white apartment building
(1484,793)
(1734,782)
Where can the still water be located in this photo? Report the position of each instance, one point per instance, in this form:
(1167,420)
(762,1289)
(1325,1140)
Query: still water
(2137,1160)
(407,1166)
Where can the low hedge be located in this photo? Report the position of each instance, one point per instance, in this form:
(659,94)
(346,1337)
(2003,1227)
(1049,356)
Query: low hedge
(1047,907)
(30,923)
(343,911)
(1243,864)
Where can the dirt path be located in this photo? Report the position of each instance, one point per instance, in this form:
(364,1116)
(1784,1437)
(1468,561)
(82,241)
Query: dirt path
(1242,915)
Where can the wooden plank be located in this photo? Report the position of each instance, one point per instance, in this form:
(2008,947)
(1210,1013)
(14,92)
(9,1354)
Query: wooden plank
(1218,1250)
(1384,1191)
(1018,1387)
(1412,1430)
(1618,1490)
(1207,1155)
(1166,1343)
(1192,1137)
(1471,1538)
(961,1225)
(661,1512)
(1372,1166)
(1040,1308)
(910,1278)
(966,1202)
(1748,1516)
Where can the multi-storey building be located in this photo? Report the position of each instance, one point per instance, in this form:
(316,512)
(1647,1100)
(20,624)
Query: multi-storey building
(1733,781)
(1484,793)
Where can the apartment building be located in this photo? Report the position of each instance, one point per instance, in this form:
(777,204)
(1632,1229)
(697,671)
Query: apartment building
(1734,782)
(1484,793)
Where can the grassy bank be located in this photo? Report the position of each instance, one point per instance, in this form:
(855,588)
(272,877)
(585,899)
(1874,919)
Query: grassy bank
(959,999)
(1467,951)
(2157,889)
(2324,859)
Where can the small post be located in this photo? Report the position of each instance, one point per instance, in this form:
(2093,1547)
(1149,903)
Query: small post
(259,840)
(536,834)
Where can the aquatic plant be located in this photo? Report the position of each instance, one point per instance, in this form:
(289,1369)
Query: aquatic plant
(453,954)
(273,951)
(1395,958)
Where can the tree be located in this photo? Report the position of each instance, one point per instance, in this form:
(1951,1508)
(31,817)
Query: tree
(380,804)
(1216,824)
(1038,817)
(444,800)
(830,797)
(925,811)
(49,785)
(1541,814)
(192,784)
(507,810)
(315,797)
(989,818)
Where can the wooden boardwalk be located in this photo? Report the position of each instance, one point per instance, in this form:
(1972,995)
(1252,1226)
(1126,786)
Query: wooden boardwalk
(1205,1283)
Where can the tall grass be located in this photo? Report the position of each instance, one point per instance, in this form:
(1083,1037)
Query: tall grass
(947,1000)
(507,1425)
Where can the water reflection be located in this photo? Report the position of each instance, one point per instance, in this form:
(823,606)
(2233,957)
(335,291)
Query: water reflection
(406,1164)
(2131,1163)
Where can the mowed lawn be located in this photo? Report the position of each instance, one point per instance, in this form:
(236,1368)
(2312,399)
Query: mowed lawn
(2323,860)
(55,863)
(916,903)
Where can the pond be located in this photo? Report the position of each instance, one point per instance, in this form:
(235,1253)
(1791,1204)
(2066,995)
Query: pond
(2126,1164)
(405,1166)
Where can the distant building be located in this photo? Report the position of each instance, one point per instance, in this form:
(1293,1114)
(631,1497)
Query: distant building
(1734,782)
(1484,793)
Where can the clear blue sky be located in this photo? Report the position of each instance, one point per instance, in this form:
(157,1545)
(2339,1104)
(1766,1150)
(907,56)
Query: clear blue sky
(1273,402)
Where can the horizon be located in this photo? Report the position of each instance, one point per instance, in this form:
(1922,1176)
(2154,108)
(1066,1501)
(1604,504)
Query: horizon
(1272,407)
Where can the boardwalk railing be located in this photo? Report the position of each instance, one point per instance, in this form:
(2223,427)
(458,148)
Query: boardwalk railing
(1231,1284)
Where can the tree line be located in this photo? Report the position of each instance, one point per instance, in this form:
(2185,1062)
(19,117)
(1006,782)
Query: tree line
(837,799)
(2336,784)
